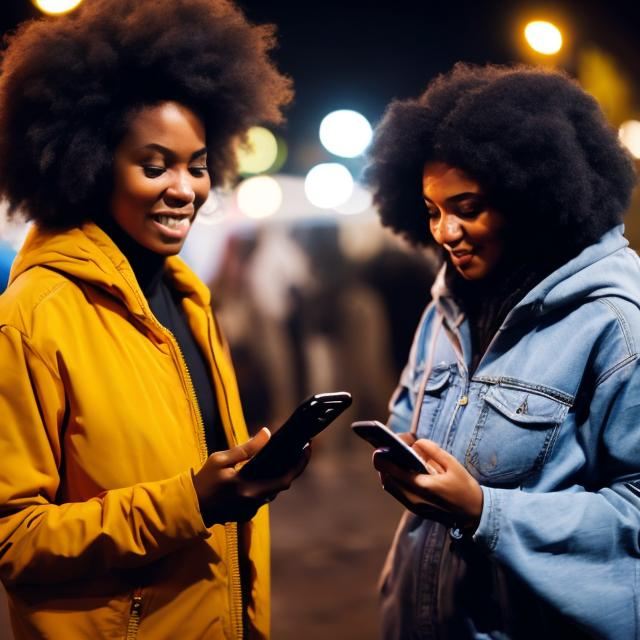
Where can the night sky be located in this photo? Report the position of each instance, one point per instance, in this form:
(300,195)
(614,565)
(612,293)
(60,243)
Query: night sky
(360,54)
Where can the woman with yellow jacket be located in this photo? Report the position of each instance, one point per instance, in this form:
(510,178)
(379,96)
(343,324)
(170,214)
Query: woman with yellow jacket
(121,511)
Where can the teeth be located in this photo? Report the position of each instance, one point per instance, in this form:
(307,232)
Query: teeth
(173,222)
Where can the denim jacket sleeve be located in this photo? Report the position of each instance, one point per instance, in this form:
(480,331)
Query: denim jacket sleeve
(578,549)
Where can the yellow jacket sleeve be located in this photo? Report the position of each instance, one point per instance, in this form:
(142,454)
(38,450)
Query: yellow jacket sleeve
(44,541)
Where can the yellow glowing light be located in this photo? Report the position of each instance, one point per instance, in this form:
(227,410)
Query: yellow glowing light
(260,153)
(630,136)
(543,37)
(56,7)
(259,197)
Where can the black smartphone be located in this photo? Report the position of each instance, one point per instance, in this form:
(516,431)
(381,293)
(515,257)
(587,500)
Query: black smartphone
(381,437)
(284,448)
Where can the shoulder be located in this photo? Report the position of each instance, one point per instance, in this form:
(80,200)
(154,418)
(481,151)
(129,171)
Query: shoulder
(32,298)
(617,343)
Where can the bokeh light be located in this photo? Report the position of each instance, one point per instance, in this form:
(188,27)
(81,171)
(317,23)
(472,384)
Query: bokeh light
(360,201)
(328,185)
(259,197)
(56,7)
(260,153)
(629,133)
(345,133)
(543,37)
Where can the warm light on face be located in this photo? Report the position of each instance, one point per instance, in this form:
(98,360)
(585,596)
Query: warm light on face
(470,231)
(56,7)
(543,37)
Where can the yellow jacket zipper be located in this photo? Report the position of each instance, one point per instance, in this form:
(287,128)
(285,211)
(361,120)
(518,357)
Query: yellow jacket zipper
(134,616)
(231,528)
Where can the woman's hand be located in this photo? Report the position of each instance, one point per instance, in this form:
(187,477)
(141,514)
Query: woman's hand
(225,496)
(448,494)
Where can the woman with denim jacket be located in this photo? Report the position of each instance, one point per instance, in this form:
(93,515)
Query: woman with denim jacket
(523,384)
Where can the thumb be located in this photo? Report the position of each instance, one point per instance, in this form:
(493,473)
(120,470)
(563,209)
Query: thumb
(248,449)
(428,449)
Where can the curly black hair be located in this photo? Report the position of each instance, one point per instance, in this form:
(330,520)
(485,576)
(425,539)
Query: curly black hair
(70,85)
(537,143)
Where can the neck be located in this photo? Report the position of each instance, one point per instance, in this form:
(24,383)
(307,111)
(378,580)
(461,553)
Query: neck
(147,265)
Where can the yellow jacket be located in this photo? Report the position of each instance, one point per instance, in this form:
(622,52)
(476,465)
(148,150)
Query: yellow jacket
(100,532)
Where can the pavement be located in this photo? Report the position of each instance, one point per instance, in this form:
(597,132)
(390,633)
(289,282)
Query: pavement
(329,536)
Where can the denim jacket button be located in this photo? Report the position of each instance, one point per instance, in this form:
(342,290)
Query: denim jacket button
(455,533)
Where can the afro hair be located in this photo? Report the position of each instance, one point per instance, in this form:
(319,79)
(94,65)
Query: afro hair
(537,143)
(69,86)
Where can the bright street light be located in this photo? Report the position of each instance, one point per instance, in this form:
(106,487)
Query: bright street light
(543,37)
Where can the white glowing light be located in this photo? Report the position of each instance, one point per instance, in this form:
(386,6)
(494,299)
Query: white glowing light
(260,153)
(328,185)
(259,197)
(56,7)
(345,133)
(629,133)
(543,37)
(361,200)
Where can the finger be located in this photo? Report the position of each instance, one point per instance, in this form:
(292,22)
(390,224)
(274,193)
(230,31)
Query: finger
(383,463)
(433,467)
(407,437)
(246,450)
(418,499)
(411,501)
(429,450)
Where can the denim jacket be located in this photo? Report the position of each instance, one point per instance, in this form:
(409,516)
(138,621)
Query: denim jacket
(549,425)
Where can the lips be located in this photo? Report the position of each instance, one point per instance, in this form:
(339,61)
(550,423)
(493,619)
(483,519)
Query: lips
(172,225)
(461,258)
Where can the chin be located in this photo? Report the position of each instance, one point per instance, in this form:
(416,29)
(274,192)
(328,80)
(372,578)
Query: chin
(163,248)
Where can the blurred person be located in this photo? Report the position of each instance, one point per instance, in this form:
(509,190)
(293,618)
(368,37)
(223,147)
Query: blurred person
(121,510)
(521,389)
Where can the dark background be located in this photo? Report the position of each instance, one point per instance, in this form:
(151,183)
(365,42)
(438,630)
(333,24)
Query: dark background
(360,54)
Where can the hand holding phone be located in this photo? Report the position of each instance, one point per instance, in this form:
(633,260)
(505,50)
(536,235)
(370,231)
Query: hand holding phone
(285,447)
(381,437)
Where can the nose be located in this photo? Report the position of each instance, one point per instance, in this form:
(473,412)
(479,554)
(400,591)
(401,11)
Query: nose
(180,192)
(447,230)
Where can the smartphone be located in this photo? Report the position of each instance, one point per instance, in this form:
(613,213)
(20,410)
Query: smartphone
(286,444)
(381,437)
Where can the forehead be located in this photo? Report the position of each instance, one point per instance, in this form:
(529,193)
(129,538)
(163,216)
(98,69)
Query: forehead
(168,123)
(441,181)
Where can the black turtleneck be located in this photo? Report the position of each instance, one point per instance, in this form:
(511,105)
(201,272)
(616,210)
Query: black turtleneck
(166,305)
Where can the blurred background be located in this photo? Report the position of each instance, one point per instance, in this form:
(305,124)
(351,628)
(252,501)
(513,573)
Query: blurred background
(313,294)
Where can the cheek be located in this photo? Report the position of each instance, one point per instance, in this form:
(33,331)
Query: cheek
(434,228)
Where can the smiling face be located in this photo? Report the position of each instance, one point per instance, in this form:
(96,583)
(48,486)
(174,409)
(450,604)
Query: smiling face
(160,177)
(461,222)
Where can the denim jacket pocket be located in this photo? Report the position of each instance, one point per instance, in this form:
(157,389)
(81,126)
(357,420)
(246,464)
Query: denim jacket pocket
(514,434)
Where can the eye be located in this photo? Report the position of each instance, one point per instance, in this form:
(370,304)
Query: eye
(152,171)
(199,171)
(432,211)
(471,208)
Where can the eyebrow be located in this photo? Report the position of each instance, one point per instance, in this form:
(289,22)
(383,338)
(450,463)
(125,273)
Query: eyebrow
(459,197)
(165,151)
